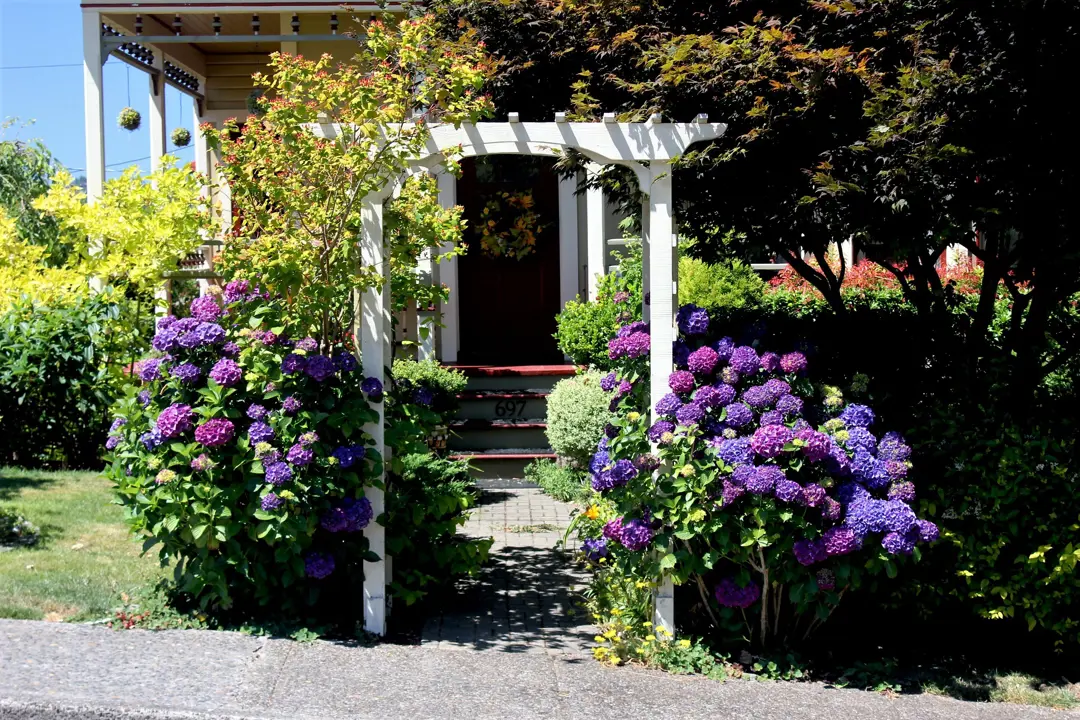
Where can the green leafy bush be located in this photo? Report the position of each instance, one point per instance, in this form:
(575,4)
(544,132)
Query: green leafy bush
(562,483)
(244,458)
(731,284)
(428,499)
(577,412)
(61,367)
(422,398)
(584,328)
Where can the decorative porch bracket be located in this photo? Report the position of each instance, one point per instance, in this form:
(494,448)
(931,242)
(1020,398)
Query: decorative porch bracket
(646,148)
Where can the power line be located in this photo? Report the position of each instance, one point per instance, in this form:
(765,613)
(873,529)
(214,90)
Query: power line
(36,67)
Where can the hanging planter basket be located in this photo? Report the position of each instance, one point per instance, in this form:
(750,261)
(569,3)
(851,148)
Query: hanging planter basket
(129,119)
(438,438)
(181,137)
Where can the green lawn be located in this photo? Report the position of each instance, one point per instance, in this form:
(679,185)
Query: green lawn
(85,560)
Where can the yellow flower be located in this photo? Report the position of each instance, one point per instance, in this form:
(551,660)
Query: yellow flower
(633,416)
(684,643)
(686,470)
(592,513)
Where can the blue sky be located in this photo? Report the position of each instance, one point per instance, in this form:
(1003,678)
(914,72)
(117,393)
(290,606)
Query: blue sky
(49,32)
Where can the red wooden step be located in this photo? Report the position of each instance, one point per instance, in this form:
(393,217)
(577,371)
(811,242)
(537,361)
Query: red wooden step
(477,424)
(513,454)
(516,370)
(502,395)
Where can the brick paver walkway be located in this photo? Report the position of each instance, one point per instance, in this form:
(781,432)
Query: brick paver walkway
(524,600)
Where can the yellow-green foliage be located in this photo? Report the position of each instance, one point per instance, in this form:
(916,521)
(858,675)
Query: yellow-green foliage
(23,270)
(720,286)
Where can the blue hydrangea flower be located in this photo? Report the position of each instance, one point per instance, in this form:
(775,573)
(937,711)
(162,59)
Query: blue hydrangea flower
(692,320)
(278,473)
(735,452)
(738,415)
(668,405)
(689,414)
(260,432)
(857,416)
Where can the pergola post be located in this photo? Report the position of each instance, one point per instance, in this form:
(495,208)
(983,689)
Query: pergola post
(568,240)
(93,105)
(426,318)
(663,267)
(157,111)
(375,333)
(646,260)
(594,227)
(449,338)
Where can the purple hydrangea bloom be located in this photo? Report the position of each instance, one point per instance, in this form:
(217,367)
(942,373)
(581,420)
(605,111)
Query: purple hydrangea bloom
(743,475)
(680,353)
(902,491)
(164,323)
(226,372)
(689,414)
(868,470)
(865,516)
(202,463)
(205,308)
(622,472)
(174,420)
(186,373)
(372,387)
(859,438)
(727,394)
(213,432)
(764,479)
(235,291)
(207,333)
(928,531)
(793,363)
(730,376)
(896,470)
(850,492)
(152,439)
(731,492)
(291,405)
(809,552)
(892,448)
(899,517)
(738,415)
(257,412)
(681,381)
(857,416)
(633,346)
(692,320)
(260,432)
(840,541)
(837,462)
(293,363)
(668,405)
(735,452)
(347,455)
(831,510)
(278,473)
(813,495)
(776,389)
(144,397)
(898,544)
(703,360)
(770,362)
(723,348)
(659,428)
(348,516)
(631,328)
(319,368)
(826,579)
(345,362)
(756,397)
(607,383)
(308,345)
(789,405)
(230,349)
(423,396)
(647,463)
(708,397)
(271,502)
(788,490)
(599,461)
(595,549)
(318,565)
(772,417)
(744,360)
(611,431)
(299,455)
(117,423)
(635,535)
(769,440)
(728,593)
(112,441)
(166,339)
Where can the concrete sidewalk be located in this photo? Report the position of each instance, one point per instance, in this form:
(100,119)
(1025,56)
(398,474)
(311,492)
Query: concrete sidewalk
(52,670)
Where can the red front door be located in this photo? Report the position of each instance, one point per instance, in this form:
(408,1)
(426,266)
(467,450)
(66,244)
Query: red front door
(508,305)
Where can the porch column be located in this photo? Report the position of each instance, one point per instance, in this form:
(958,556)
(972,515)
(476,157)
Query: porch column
(374,333)
(646,260)
(661,287)
(426,318)
(93,105)
(449,338)
(202,147)
(594,224)
(568,241)
(157,111)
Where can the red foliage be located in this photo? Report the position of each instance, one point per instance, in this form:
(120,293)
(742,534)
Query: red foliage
(866,275)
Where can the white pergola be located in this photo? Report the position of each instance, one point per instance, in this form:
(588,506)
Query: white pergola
(646,148)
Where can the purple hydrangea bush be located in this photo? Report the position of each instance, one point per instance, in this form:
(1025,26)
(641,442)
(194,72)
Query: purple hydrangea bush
(749,480)
(241,453)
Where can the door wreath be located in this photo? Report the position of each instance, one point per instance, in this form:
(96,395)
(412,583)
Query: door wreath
(509,226)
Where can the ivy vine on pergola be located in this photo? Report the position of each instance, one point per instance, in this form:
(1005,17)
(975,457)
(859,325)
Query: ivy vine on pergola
(648,149)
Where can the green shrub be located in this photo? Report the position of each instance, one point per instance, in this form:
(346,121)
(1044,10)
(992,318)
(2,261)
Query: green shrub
(245,459)
(562,483)
(16,530)
(723,285)
(585,327)
(422,398)
(427,501)
(61,367)
(577,411)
